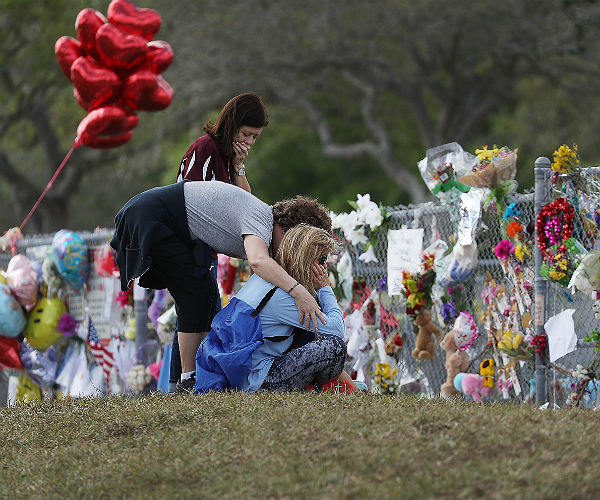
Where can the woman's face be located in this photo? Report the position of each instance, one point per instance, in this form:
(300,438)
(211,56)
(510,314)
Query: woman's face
(247,134)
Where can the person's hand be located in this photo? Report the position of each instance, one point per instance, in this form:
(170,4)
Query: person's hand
(240,150)
(308,307)
(320,277)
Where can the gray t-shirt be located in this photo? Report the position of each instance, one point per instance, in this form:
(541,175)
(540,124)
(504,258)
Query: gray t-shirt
(220,214)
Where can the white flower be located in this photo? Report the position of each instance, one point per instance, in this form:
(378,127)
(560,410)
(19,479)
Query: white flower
(368,256)
(357,236)
(363,201)
(337,220)
(344,269)
(372,216)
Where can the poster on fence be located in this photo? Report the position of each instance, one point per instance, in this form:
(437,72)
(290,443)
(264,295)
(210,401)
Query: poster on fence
(405,247)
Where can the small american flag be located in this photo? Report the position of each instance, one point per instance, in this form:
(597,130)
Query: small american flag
(102,355)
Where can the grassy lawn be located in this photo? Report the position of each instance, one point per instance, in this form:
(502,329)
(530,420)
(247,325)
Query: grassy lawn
(302,445)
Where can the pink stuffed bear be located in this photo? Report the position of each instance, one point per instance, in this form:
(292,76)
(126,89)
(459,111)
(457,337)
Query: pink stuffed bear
(472,385)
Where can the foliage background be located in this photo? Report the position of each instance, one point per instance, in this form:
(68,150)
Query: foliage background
(356,93)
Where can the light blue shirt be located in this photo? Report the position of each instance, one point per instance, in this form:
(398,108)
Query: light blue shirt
(278,318)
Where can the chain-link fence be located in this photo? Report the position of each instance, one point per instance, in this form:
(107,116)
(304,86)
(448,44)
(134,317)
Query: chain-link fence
(554,381)
(436,220)
(439,221)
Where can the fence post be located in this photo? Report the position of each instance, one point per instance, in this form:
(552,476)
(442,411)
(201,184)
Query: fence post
(542,197)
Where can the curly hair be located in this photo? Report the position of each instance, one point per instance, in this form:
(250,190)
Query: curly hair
(300,209)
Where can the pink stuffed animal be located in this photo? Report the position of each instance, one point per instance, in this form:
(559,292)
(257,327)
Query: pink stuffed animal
(472,385)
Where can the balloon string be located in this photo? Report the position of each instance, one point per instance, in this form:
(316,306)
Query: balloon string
(76,144)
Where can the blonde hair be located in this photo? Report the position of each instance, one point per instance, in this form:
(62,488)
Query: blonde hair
(300,247)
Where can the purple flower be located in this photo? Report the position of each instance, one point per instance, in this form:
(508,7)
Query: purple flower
(67,325)
(448,312)
(504,250)
(382,284)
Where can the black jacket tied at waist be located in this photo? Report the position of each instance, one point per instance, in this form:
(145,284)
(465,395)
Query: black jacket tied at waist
(147,219)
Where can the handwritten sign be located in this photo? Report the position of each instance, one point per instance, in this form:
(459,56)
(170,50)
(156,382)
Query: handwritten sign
(405,247)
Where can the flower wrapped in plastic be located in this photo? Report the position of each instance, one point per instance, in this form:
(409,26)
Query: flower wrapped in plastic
(586,277)
(516,346)
(559,266)
(494,166)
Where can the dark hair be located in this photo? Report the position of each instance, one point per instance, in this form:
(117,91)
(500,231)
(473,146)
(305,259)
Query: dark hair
(244,109)
(301,210)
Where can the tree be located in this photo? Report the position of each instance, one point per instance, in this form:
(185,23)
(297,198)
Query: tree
(449,65)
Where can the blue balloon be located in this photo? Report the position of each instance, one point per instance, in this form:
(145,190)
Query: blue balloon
(458,381)
(12,316)
(70,255)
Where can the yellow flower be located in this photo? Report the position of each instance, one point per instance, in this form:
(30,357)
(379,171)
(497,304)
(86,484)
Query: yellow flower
(556,275)
(486,154)
(565,159)
(501,345)
(519,252)
(517,339)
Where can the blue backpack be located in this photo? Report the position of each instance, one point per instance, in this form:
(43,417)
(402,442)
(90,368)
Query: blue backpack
(224,358)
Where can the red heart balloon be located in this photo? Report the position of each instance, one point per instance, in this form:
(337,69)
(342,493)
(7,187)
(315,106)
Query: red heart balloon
(95,84)
(142,22)
(109,126)
(86,25)
(67,49)
(82,102)
(108,142)
(119,49)
(159,57)
(146,91)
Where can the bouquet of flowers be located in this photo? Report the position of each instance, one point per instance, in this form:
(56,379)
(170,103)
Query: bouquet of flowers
(494,166)
(418,286)
(385,379)
(517,346)
(360,226)
(566,160)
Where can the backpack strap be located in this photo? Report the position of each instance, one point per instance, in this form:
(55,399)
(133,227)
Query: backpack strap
(265,299)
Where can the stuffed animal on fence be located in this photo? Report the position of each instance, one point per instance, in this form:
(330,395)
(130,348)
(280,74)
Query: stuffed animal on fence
(425,341)
(456,362)
(461,337)
(471,384)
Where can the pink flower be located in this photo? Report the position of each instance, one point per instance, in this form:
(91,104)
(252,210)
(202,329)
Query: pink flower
(489,294)
(504,250)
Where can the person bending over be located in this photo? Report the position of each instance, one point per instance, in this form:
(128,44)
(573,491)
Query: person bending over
(155,239)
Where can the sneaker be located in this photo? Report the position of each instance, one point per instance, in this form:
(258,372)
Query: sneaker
(186,386)
(338,387)
(362,387)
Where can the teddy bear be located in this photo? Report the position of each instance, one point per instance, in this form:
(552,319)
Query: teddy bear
(471,384)
(427,329)
(456,362)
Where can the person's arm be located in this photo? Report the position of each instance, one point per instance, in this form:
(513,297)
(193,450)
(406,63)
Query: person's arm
(263,265)
(241,180)
(240,151)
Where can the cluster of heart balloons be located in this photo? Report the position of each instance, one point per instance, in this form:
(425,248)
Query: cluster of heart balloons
(115,69)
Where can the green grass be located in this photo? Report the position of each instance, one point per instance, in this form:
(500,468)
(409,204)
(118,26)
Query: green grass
(302,445)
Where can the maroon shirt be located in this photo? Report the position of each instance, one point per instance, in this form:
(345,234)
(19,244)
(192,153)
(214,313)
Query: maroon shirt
(204,162)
